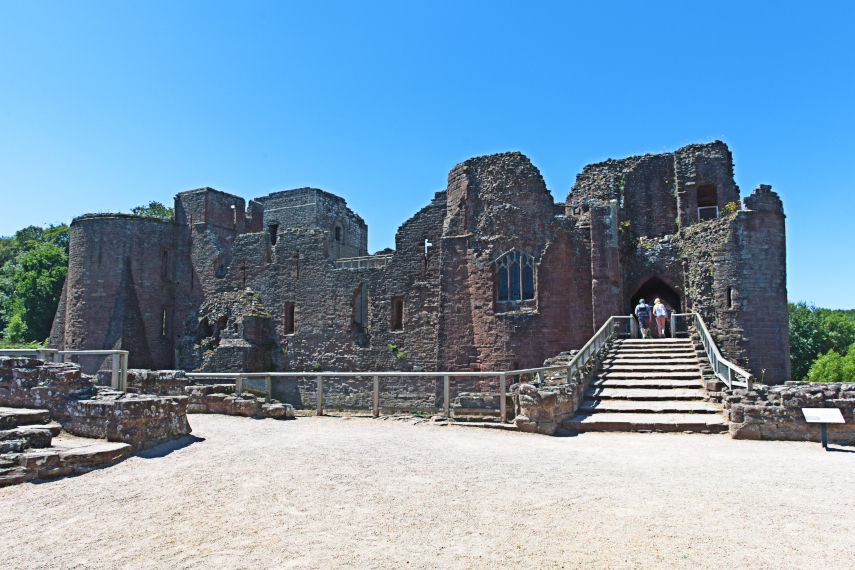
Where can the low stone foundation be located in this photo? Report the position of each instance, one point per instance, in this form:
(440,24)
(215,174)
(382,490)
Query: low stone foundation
(206,398)
(775,413)
(221,399)
(87,410)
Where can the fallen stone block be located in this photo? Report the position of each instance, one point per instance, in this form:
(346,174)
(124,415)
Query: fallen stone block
(95,454)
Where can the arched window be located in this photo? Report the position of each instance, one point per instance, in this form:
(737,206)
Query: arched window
(515,276)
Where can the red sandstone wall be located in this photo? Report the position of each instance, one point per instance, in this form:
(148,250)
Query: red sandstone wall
(116,288)
(497,203)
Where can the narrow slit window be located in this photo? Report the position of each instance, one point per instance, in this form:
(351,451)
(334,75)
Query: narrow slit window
(729,297)
(163,322)
(338,233)
(274,233)
(164,265)
(397,313)
(290,321)
(359,320)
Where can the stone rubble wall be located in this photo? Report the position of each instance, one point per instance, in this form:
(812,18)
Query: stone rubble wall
(540,408)
(205,398)
(775,413)
(87,410)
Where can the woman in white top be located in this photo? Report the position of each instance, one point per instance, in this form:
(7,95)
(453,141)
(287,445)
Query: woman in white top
(661,313)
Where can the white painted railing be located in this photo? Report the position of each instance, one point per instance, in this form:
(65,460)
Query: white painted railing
(585,355)
(118,360)
(726,371)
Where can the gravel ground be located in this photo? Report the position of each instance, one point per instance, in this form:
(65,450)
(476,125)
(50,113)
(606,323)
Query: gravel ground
(364,493)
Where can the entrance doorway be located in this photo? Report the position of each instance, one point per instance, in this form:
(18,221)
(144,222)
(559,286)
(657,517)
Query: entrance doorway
(652,289)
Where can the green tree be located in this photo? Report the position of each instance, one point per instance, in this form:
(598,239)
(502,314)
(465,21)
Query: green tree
(814,332)
(16,331)
(38,286)
(155,209)
(832,367)
(33,264)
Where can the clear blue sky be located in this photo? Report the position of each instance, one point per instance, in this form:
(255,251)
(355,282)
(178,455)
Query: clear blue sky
(108,105)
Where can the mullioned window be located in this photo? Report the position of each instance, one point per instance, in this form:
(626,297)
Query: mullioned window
(515,276)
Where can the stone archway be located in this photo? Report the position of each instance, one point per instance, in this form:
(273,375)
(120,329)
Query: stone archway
(655,288)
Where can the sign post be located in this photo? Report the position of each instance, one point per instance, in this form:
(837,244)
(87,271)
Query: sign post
(823,416)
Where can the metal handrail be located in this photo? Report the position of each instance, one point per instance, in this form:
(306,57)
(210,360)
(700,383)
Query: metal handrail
(119,366)
(579,361)
(726,371)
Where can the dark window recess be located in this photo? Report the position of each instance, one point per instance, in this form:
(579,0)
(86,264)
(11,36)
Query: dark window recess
(397,313)
(707,213)
(729,298)
(707,195)
(163,322)
(503,284)
(359,321)
(338,233)
(515,277)
(274,233)
(528,282)
(290,322)
(164,265)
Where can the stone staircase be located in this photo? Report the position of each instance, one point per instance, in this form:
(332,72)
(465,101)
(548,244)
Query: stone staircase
(652,385)
(30,448)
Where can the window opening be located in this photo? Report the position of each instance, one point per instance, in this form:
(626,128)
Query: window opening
(274,233)
(729,298)
(164,265)
(289,318)
(707,213)
(528,282)
(163,322)
(503,283)
(360,309)
(397,313)
(707,195)
(515,276)
(338,233)
(234,215)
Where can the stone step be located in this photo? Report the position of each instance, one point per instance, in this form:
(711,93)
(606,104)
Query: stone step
(664,353)
(629,374)
(650,368)
(696,423)
(644,394)
(654,342)
(648,407)
(25,437)
(652,361)
(14,417)
(658,383)
(58,461)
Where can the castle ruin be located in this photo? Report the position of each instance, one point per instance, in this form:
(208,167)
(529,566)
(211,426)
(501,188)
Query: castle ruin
(491,274)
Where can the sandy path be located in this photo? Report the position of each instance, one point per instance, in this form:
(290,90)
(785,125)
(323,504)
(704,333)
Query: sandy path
(363,493)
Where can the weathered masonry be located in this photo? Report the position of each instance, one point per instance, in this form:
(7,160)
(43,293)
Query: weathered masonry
(491,274)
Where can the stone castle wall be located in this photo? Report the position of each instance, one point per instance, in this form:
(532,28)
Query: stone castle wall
(628,228)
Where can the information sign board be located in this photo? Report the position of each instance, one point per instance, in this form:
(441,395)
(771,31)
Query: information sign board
(823,416)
